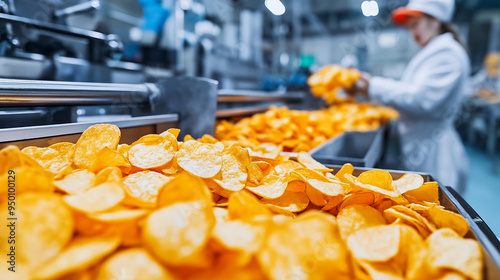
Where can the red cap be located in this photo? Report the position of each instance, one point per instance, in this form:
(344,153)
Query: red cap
(400,15)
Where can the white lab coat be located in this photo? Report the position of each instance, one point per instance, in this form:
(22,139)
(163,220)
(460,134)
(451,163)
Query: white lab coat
(428,98)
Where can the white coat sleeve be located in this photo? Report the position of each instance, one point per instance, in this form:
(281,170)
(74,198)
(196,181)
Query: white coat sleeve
(429,89)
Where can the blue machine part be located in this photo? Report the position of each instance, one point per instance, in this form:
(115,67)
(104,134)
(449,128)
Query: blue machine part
(154,15)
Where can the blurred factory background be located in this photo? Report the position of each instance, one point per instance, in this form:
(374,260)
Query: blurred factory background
(264,45)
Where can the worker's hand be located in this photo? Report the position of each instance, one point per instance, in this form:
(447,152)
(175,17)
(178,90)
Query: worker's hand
(360,88)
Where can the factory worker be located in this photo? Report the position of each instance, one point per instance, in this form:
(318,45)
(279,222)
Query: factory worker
(429,94)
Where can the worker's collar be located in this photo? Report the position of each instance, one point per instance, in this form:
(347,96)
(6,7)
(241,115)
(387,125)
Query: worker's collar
(440,38)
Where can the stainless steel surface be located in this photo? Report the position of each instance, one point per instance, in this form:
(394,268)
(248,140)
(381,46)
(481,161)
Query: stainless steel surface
(232,95)
(35,132)
(239,112)
(37,93)
(78,8)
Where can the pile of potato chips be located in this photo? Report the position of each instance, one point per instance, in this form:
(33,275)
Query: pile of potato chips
(301,131)
(202,209)
(327,82)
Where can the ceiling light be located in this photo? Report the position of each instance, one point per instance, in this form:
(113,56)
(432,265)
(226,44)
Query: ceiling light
(275,6)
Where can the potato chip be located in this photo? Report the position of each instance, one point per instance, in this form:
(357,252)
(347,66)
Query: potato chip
(76,182)
(177,234)
(171,168)
(49,159)
(428,192)
(199,159)
(442,218)
(285,167)
(316,197)
(133,264)
(65,149)
(315,248)
(174,131)
(108,158)
(306,160)
(366,198)
(81,253)
(346,169)
(333,202)
(377,243)
(238,235)
(208,139)
(123,149)
(121,214)
(108,174)
(243,205)
(234,172)
(379,178)
(384,187)
(271,187)
(410,218)
(184,188)
(100,198)
(255,174)
(92,141)
(152,151)
(44,225)
(278,211)
(10,157)
(319,182)
(355,217)
(142,188)
(296,186)
(26,182)
(408,182)
(454,254)
(291,201)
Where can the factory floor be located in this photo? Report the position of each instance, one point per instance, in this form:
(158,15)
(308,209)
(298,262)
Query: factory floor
(483,187)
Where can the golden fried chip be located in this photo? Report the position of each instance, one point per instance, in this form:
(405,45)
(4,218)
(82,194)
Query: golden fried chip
(243,205)
(379,178)
(319,182)
(81,253)
(108,174)
(271,187)
(296,186)
(238,235)
(199,159)
(333,202)
(316,197)
(142,188)
(377,243)
(133,264)
(108,158)
(121,214)
(446,219)
(100,198)
(92,141)
(10,157)
(178,233)
(76,182)
(355,217)
(408,182)
(316,241)
(171,168)
(428,192)
(291,201)
(174,131)
(366,198)
(49,159)
(234,172)
(184,188)
(65,149)
(44,226)
(306,160)
(454,254)
(152,151)
(254,173)
(409,217)
(287,166)
(346,169)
